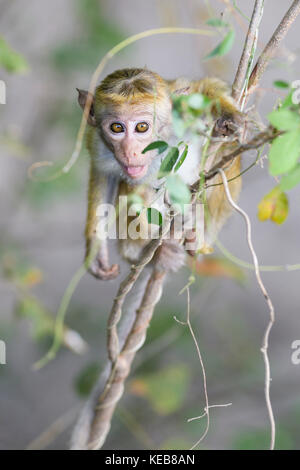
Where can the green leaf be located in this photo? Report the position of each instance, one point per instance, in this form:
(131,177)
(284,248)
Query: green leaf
(274,206)
(284,119)
(10,60)
(224,46)
(288,101)
(165,390)
(290,180)
(159,145)
(217,22)
(281,84)
(178,124)
(168,162)
(284,152)
(182,158)
(179,192)
(196,101)
(154,216)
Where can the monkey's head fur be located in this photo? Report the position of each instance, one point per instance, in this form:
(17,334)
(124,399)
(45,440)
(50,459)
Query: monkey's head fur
(130,109)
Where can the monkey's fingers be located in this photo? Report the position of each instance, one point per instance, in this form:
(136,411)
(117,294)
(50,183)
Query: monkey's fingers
(104,273)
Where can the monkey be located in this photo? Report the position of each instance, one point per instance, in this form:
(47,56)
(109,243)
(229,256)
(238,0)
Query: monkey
(130,109)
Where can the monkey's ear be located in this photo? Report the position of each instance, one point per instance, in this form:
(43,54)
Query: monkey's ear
(82,97)
(182,91)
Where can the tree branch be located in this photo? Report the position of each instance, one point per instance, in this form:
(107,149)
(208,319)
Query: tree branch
(250,41)
(114,388)
(265,344)
(256,142)
(273,44)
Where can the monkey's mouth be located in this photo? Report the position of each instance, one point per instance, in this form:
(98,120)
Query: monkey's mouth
(136,171)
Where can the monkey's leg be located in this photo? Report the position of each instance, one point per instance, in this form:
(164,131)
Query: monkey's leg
(100,191)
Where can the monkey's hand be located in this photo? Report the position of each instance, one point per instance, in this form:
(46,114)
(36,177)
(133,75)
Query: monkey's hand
(102,271)
(228,125)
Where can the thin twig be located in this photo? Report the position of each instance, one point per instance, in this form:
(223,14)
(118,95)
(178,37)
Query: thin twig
(224,405)
(257,141)
(273,45)
(207,406)
(265,343)
(251,38)
(189,325)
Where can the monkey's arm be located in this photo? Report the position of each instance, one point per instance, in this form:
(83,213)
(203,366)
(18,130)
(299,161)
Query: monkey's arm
(230,119)
(100,191)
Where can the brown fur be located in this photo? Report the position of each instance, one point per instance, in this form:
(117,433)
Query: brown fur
(138,90)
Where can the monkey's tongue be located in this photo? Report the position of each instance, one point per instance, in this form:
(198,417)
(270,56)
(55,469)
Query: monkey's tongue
(135,170)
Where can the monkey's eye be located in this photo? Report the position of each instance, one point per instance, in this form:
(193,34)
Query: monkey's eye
(142,127)
(116,127)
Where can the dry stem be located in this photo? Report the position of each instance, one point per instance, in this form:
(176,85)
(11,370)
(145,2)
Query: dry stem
(121,367)
(273,44)
(265,344)
(251,39)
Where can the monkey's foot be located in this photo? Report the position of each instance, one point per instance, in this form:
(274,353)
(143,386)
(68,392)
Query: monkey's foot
(104,273)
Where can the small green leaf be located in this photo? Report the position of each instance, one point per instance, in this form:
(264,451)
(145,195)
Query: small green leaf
(195,101)
(284,153)
(154,216)
(178,124)
(216,22)
(182,158)
(159,145)
(169,161)
(10,60)
(281,84)
(284,119)
(290,180)
(288,101)
(179,192)
(224,46)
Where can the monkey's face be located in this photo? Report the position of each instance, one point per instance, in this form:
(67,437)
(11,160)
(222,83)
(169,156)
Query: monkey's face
(127,134)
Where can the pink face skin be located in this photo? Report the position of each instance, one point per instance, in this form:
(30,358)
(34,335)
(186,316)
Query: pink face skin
(135,133)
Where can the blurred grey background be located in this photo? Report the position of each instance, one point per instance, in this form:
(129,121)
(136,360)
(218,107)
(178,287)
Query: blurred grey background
(42,245)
